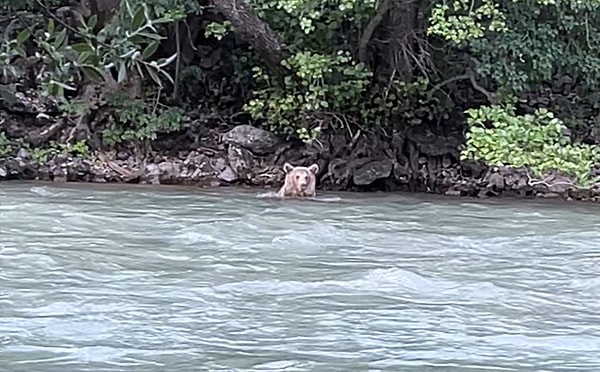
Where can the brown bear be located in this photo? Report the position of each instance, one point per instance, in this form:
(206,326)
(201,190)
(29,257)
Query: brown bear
(299,181)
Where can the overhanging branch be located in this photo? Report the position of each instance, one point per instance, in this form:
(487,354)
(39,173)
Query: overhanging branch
(365,38)
(250,28)
(470,74)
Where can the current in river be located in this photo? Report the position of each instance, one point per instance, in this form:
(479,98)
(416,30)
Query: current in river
(114,279)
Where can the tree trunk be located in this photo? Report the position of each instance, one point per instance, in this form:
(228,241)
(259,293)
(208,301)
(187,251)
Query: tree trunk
(251,29)
(399,47)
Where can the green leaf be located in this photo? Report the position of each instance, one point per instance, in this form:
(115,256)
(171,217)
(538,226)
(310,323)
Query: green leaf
(82,48)
(85,58)
(137,39)
(93,73)
(92,21)
(21,52)
(7,95)
(51,26)
(23,36)
(139,19)
(150,49)
(60,38)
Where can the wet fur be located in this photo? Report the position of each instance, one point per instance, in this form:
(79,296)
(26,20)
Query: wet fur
(294,176)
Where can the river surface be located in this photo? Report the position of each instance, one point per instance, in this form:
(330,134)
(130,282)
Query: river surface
(173,279)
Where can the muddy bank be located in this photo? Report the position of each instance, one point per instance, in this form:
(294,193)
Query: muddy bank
(416,160)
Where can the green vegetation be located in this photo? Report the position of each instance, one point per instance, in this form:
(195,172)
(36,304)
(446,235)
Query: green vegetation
(136,120)
(537,141)
(518,74)
(5,146)
(41,155)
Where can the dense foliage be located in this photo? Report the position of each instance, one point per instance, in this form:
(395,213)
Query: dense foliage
(538,141)
(517,74)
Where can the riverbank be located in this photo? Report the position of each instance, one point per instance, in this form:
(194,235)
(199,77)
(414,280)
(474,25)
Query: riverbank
(414,161)
(394,132)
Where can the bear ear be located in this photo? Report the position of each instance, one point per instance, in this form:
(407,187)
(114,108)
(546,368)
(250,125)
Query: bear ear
(287,167)
(314,168)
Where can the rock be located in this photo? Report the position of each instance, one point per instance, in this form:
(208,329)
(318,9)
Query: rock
(78,169)
(42,119)
(484,194)
(241,162)
(401,173)
(151,174)
(496,181)
(227,175)
(581,194)
(122,155)
(44,173)
(560,184)
(165,172)
(467,187)
(3,172)
(259,141)
(198,167)
(548,195)
(453,193)
(432,144)
(473,169)
(446,161)
(23,154)
(514,178)
(339,172)
(372,171)
(18,168)
(220,164)
(60,174)
(169,172)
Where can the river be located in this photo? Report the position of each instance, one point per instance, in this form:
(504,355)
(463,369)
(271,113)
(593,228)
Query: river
(181,279)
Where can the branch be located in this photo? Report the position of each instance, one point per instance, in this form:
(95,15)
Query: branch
(256,32)
(385,7)
(66,25)
(489,95)
(446,82)
(531,182)
(175,95)
(470,74)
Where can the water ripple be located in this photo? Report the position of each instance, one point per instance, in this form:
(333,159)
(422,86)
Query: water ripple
(144,279)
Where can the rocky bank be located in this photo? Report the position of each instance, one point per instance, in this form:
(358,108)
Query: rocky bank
(207,153)
(416,160)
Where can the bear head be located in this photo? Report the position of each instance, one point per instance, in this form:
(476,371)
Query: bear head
(300,180)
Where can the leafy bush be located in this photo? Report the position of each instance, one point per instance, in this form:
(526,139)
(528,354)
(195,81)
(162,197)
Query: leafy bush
(539,142)
(5,146)
(126,45)
(139,121)
(41,154)
(9,50)
(326,85)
